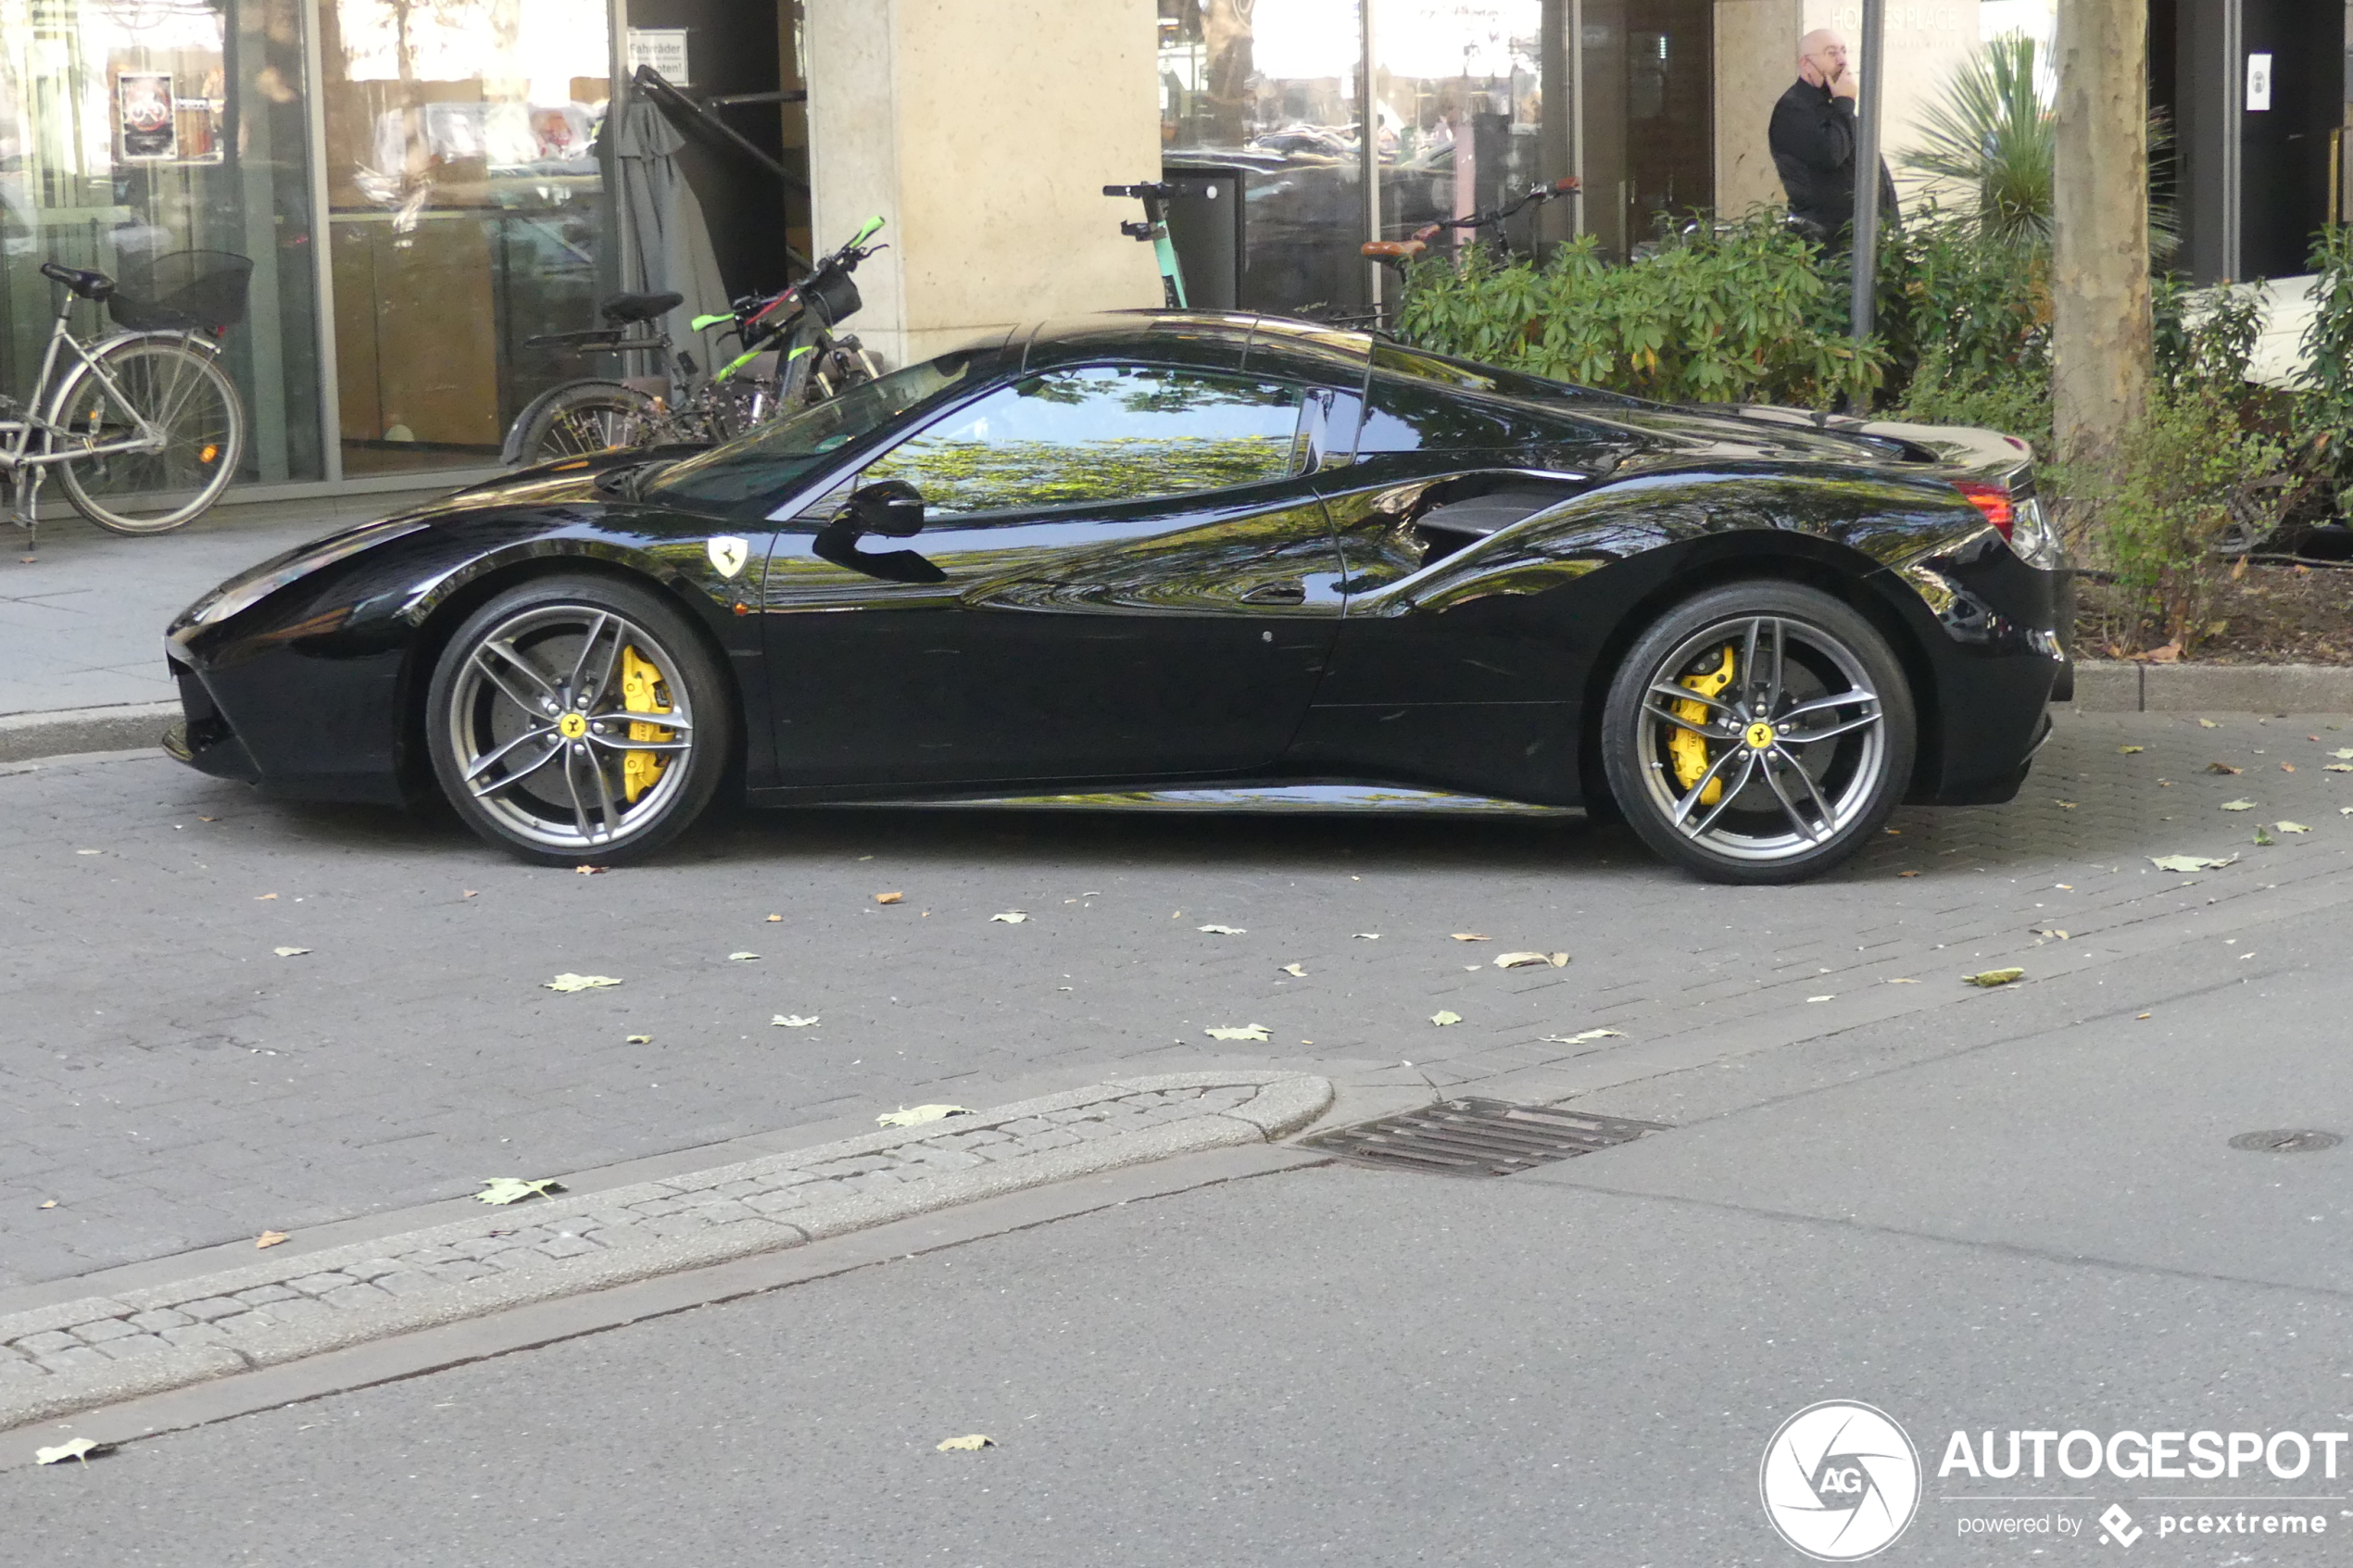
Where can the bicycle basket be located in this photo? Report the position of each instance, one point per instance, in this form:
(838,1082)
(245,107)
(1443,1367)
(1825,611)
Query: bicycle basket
(831,296)
(187,290)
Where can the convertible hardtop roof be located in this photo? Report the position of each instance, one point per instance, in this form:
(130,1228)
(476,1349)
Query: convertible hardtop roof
(1223,339)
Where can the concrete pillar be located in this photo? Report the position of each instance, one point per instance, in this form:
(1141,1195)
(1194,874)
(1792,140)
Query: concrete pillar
(1756,62)
(982,132)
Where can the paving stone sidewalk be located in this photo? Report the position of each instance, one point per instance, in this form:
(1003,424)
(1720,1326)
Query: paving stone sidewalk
(74,1355)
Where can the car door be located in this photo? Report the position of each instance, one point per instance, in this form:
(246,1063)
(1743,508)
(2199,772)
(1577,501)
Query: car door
(1130,576)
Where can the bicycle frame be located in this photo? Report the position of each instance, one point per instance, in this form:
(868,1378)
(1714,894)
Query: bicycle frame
(16,435)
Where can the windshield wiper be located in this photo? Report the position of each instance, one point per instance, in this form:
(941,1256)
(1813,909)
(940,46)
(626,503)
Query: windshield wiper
(629,479)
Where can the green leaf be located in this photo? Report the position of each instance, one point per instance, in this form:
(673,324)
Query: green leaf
(513,1189)
(1993,977)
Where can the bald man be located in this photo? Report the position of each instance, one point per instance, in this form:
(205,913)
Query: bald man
(1813,141)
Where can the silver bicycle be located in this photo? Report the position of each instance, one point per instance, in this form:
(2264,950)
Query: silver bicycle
(143,427)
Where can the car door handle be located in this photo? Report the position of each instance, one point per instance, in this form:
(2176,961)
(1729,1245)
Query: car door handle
(1276,594)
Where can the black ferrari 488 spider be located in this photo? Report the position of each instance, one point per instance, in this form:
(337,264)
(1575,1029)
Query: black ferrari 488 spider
(1178,552)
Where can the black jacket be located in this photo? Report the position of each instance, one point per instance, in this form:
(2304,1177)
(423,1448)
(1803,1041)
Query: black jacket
(1813,143)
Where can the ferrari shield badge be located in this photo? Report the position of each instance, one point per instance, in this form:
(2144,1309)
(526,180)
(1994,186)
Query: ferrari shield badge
(728,553)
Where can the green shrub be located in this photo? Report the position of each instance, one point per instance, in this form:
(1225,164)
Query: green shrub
(1740,316)
(2180,473)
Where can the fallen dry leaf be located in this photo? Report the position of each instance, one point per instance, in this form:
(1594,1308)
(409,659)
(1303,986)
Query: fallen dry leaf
(1472,936)
(916,1115)
(773,919)
(514,1189)
(592,871)
(792,1021)
(2207,725)
(263,897)
(1295,971)
(741,958)
(468,893)
(2238,805)
(2291,827)
(1581,1039)
(2222,768)
(2189,862)
(888,897)
(2343,754)
(973,1443)
(1903,980)
(2054,933)
(569,982)
(1443,1018)
(1223,930)
(1368,936)
(2141,1015)
(2336,767)
(1832,997)
(290,952)
(2287,767)
(1011,917)
(269,1238)
(89,851)
(2132,750)
(1908,873)
(1529,961)
(640,1040)
(1993,977)
(49,1203)
(80,1449)
(1242,1032)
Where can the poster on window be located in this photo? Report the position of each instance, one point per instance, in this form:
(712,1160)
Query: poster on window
(144,109)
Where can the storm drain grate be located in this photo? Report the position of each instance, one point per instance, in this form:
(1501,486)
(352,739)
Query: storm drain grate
(1478,1137)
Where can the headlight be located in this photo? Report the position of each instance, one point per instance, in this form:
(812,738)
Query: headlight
(240,593)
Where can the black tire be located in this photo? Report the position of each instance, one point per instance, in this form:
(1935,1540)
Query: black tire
(194,408)
(522,722)
(584,418)
(1784,803)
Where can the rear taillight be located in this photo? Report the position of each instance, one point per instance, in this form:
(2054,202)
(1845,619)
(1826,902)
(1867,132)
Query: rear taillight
(1994,500)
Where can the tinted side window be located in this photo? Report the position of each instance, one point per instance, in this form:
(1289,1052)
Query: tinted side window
(1101,433)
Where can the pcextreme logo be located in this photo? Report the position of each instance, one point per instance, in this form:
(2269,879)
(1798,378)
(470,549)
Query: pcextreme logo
(1840,1481)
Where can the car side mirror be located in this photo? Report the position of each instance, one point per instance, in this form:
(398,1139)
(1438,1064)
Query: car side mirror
(889,507)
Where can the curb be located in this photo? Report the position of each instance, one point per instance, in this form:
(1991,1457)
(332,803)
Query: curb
(2103,686)
(70,1356)
(68,732)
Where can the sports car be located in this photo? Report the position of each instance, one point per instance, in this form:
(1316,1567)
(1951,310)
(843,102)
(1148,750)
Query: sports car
(1153,556)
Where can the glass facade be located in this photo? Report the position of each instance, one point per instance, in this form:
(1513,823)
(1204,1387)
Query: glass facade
(1472,102)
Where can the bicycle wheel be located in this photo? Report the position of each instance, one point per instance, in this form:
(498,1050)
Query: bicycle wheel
(587,416)
(176,392)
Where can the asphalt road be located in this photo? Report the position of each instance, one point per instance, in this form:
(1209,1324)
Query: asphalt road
(167,1081)
(2013,1216)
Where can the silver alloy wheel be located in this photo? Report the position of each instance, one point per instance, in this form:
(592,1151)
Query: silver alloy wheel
(1795,742)
(541,731)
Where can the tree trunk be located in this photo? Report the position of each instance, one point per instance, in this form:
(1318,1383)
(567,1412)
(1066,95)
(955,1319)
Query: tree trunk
(2100,349)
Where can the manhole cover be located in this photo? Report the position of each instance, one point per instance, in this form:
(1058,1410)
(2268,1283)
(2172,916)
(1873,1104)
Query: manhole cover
(2286,1140)
(1478,1137)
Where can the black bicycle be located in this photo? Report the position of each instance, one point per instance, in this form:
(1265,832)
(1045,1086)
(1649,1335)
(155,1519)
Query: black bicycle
(596,414)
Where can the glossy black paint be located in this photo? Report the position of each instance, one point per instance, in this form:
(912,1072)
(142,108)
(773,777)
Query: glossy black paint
(1434,598)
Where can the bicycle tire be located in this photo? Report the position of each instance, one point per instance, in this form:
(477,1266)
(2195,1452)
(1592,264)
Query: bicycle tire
(584,418)
(175,385)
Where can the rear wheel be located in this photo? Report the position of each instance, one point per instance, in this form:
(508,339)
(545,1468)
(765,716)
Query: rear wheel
(574,719)
(591,417)
(173,397)
(1760,733)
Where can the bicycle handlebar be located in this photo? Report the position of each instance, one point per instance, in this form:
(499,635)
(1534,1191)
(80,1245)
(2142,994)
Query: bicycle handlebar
(1543,193)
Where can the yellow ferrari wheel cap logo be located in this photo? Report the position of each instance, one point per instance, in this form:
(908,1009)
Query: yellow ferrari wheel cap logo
(571,726)
(728,553)
(1759,737)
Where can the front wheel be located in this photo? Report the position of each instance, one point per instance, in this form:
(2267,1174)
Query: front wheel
(581,419)
(578,717)
(178,423)
(1760,733)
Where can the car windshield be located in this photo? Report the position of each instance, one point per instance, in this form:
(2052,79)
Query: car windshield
(765,460)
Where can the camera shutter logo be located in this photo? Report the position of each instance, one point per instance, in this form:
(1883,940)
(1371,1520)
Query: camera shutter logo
(1840,1481)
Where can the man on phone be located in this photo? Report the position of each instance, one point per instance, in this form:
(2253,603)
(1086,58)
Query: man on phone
(1813,141)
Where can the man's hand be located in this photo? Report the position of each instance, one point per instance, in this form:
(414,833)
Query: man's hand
(1846,86)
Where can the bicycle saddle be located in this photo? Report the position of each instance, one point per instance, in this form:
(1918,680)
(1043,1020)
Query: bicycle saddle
(640,307)
(89,286)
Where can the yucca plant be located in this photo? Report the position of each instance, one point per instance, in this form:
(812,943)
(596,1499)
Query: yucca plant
(1992,131)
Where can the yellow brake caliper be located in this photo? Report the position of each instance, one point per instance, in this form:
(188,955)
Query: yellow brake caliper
(641,693)
(1688,750)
